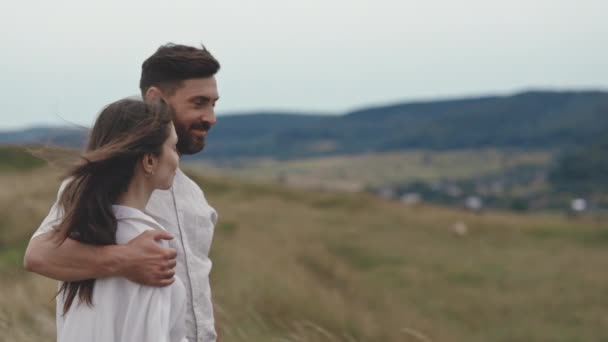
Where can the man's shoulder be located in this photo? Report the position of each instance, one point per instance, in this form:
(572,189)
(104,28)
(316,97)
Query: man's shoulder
(185,191)
(184,185)
(160,204)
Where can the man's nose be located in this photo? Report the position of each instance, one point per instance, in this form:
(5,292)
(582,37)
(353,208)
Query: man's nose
(209,117)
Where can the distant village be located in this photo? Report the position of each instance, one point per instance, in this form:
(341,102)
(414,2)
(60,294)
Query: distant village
(476,199)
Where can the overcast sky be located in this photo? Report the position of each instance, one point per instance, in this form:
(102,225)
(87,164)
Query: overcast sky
(64,59)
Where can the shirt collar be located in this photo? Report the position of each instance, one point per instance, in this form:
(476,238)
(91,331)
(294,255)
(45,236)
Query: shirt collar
(122,212)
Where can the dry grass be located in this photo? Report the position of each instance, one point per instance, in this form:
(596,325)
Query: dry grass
(26,300)
(367,270)
(293,266)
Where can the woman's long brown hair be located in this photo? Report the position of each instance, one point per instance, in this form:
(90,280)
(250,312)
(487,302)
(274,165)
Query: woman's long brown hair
(124,132)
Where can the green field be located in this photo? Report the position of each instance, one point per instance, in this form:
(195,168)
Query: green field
(295,265)
(18,158)
(371,170)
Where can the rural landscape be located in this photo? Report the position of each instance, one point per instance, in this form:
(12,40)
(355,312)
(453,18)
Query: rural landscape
(359,227)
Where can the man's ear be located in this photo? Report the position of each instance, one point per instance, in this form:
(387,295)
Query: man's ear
(153,94)
(148,162)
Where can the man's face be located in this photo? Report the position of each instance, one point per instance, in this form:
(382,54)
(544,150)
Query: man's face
(194,106)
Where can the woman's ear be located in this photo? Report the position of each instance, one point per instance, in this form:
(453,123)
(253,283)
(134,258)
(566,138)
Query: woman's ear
(149,162)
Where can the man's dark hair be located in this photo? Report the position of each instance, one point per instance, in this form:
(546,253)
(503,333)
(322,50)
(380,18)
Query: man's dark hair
(173,63)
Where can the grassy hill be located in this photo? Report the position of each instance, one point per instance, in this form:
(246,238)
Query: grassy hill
(539,120)
(293,265)
(18,158)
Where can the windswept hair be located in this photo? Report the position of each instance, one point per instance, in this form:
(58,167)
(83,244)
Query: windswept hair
(173,63)
(124,132)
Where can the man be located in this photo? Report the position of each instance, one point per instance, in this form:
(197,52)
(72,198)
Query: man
(184,77)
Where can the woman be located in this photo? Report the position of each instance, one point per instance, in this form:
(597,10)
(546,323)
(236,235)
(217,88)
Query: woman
(131,152)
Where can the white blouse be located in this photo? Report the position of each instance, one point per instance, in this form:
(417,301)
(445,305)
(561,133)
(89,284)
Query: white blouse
(124,311)
(186,214)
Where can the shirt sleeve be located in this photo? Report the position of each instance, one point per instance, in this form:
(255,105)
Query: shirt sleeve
(54,216)
(147,317)
(152,313)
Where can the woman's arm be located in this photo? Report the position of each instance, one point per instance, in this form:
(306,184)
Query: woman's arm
(149,316)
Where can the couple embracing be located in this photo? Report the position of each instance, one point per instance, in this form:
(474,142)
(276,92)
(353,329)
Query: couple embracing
(129,235)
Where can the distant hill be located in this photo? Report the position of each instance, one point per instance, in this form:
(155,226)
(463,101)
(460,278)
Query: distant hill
(544,120)
(62,136)
(538,119)
(584,170)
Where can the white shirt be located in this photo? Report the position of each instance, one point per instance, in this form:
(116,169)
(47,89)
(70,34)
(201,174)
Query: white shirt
(185,213)
(124,311)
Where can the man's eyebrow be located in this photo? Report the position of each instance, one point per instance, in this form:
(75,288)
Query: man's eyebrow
(202,98)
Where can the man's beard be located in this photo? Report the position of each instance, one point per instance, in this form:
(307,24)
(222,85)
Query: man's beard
(188,143)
